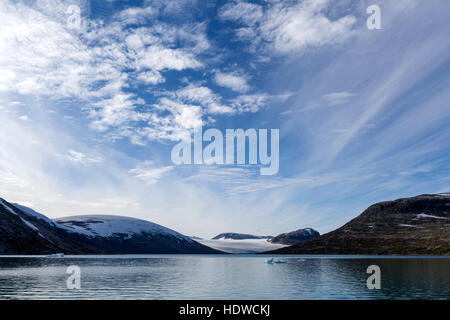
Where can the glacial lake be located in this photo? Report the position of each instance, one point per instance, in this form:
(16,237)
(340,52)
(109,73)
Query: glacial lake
(223,277)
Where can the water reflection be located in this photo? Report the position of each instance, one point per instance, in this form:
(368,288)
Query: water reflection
(224,277)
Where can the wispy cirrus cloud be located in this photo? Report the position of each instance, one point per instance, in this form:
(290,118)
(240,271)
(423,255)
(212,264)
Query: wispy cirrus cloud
(148,173)
(136,15)
(81,158)
(241,11)
(330,100)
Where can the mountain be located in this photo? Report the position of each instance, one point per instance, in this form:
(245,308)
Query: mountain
(295,237)
(410,226)
(238,236)
(117,234)
(25,231)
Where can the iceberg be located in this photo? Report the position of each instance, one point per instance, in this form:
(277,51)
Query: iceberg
(56,255)
(272,261)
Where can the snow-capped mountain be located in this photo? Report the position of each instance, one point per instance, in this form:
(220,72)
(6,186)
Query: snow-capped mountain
(25,231)
(32,213)
(129,235)
(109,226)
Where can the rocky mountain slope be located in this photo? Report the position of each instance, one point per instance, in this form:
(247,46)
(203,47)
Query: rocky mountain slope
(24,231)
(411,226)
(295,237)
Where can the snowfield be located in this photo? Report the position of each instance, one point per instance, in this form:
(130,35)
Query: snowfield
(107,226)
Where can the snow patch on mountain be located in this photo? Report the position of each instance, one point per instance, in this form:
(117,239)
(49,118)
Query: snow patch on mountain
(423,215)
(27,223)
(107,226)
(8,208)
(33,213)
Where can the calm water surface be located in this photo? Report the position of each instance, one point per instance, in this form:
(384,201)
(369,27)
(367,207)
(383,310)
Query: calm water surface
(223,277)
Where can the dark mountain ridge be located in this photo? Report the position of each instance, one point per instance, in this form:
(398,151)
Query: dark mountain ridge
(238,236)
(294,237)
(409,226)
(22,233)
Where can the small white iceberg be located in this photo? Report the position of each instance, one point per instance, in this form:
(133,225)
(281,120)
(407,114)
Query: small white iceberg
(272,261)
(279,261)
(56,255)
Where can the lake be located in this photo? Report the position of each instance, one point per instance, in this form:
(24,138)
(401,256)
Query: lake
(223,277)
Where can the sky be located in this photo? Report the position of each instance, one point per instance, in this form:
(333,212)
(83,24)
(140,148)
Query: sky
(90,109)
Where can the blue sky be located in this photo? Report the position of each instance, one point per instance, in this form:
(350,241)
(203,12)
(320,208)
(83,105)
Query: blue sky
(89,115)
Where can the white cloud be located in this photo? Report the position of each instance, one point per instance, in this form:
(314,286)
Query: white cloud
(250,102)
(24,118)
(244,12)
(159,58)
(113,112)
(233,81)
(288,26)
(136,15)
(338,97)
(151,77)
(149,174)
(95,65)
(184,115)
(81,158)
(204,96)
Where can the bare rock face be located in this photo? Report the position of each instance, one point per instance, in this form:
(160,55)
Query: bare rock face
(411,226)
